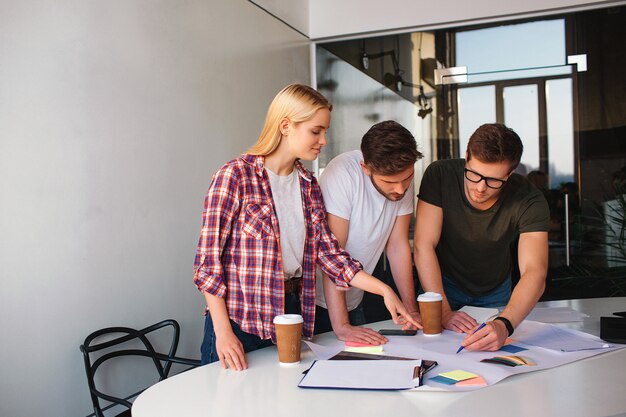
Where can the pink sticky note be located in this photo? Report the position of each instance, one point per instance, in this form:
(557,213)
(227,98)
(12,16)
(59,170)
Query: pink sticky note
(359,344)
(479,381)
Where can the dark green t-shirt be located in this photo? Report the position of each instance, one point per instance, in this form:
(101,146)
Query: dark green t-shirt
(474,247)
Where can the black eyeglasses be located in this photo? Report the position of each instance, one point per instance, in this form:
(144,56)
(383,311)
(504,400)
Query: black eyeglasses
(475,177)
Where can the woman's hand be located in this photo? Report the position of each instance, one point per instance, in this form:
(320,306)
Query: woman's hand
(228,347)
(230,350)
(399,313)
(417,317)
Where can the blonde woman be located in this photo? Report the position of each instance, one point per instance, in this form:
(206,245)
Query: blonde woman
(264,232)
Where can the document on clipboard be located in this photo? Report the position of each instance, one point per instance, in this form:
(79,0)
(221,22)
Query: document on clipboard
(364,374)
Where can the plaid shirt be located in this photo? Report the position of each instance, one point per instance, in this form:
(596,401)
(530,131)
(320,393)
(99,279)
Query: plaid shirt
(238,256)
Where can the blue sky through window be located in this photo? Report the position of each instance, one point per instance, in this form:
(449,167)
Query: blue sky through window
(512,47)
(500,52)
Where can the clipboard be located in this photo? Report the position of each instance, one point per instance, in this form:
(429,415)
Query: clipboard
(366,374)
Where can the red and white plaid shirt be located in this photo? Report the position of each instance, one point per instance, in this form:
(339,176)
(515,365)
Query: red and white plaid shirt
(238,256)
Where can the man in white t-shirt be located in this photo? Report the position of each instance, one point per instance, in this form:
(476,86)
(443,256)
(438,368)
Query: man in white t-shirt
(369,202)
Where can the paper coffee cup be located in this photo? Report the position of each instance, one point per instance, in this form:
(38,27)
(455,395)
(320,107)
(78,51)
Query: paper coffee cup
(430,310)
(288,335)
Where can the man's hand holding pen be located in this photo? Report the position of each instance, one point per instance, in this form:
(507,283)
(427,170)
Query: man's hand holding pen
(489,336)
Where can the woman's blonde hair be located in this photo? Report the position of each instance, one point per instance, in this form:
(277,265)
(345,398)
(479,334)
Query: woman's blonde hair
(296,103)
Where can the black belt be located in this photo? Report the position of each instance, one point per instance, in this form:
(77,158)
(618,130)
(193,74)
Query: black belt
(293,285)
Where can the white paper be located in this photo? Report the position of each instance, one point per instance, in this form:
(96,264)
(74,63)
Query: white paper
(556,338)
(542,314)
(442,348)
(555,315)
(361,374)
(325,351)
(480,314)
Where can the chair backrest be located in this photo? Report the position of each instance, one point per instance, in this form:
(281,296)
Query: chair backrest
(124,335)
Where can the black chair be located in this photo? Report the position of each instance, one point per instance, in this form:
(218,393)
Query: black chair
(96,353)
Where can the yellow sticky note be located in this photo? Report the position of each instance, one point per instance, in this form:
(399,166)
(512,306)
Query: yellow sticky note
(365,349)
(459,375)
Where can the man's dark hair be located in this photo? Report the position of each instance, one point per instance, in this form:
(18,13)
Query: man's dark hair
(388,148)
(494,142)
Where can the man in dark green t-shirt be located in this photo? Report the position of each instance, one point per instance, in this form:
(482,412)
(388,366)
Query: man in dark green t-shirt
(469,213)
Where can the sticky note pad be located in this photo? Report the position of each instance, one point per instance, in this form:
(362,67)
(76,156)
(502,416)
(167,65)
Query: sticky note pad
(359,344)
(365,349)
(458,375)
(443,380)
(512,348)
(479,381)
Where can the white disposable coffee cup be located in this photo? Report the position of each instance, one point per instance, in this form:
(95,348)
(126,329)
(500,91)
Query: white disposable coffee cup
(430,310)
(288,334)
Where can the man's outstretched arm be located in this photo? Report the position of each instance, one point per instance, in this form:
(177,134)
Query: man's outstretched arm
(428,224)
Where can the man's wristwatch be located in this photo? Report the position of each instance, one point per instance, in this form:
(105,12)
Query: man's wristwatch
(507,324)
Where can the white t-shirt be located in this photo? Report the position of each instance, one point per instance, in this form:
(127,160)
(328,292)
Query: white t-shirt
(349,194)
(288,203)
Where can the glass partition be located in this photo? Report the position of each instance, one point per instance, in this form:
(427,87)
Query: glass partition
(521,113)
(572,124)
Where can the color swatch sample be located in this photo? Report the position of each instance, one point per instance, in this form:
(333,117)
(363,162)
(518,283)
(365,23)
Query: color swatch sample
(512,348)
(511,360)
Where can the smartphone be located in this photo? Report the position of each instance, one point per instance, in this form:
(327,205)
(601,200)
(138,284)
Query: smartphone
(397,332)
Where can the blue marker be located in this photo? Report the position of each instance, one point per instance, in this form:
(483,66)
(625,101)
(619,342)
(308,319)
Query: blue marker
(479,327)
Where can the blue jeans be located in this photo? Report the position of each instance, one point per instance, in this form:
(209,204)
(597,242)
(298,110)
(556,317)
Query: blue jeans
(250,342)
(458,298)
(322,319)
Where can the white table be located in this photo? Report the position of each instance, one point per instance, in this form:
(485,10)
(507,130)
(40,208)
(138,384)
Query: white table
(591,387)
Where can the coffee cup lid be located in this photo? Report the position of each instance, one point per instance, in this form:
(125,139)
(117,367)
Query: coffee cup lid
(288,319)
(430,296)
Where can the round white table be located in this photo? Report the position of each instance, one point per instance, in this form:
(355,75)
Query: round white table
(590,387)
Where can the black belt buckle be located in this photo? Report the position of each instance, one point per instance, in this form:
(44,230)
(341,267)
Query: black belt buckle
(292,285)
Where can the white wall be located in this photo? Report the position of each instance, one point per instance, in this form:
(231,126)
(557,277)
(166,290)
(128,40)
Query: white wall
(113,117)
(292,12)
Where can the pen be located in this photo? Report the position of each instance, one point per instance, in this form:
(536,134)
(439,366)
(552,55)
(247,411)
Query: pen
(479,327)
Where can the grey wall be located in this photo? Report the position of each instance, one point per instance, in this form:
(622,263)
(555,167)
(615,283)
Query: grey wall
(113,117)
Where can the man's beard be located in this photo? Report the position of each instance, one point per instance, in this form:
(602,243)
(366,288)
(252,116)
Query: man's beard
(390,196)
